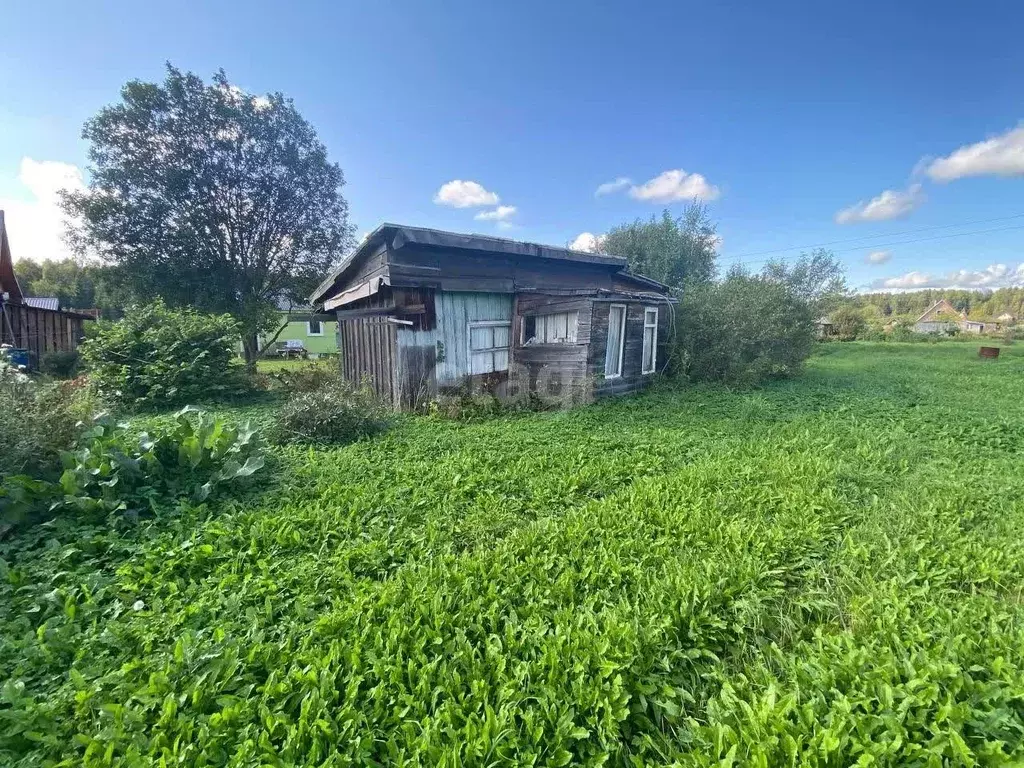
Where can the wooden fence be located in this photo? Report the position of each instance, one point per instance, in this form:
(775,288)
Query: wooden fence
(40,330)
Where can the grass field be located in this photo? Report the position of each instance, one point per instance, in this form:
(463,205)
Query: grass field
(827,571)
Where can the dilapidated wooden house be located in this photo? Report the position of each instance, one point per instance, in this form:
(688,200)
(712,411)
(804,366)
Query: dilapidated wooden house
(422,311)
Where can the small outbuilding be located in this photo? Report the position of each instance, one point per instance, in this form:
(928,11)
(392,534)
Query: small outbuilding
(421,311)
(33,326)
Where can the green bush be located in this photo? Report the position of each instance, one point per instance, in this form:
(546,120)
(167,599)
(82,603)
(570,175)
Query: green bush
(107,473)
(745,329)
(849,323)
(310,376)
(62,364)
(337,414)
(37,422)
(158,356)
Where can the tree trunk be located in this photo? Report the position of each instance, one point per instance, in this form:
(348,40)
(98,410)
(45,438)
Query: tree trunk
(251,350)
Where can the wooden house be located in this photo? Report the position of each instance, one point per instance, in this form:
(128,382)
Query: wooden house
(942,316)
(33,326)
(421,311)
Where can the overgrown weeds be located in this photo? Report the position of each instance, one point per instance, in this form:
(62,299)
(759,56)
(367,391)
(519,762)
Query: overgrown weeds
(822,572)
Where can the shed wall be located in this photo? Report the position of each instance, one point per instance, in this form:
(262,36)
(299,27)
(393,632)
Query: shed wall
(632,378)
(40,331)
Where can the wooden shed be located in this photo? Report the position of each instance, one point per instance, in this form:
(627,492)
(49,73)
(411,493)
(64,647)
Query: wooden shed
(38,326)
(421,311)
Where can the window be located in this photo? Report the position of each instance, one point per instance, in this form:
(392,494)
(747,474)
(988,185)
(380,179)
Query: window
(314,328)
(488,346)
(650,358)
(558,328)
(616,341)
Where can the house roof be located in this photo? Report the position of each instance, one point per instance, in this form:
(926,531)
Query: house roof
(43,302)
(8,280)
(941,304)
(398,235)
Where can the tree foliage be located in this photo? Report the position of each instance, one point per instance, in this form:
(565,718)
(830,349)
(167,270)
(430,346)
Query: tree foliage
(158,356)
(76,284)
(210,197)
(849,322)
(744,329)
(678,251)
(816,277)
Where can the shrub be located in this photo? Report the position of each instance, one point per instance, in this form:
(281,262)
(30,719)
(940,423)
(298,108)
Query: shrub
(849,323)
(745,329)
(340,413)
(61,364)
(36,423)
(157,355)
(310,376)
(107,473)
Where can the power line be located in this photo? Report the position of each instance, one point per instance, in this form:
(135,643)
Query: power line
(742,262)
(875,237)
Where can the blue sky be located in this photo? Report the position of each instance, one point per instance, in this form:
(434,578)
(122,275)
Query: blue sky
(907,116)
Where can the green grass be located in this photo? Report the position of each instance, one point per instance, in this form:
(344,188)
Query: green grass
(827,571)
(273,365)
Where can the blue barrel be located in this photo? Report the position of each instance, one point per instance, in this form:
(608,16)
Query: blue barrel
(18,356)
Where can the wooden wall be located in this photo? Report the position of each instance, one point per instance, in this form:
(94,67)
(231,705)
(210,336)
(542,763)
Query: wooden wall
(417,266)
(632,380)
(552,369)
(366,347)
(40,331)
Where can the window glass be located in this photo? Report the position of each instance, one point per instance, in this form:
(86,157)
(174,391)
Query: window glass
(555,328)
(616,338)
(314,328)
(488,347)
(650,352)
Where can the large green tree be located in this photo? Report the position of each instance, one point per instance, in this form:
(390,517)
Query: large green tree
(678,251)
(817,278)
(204,195)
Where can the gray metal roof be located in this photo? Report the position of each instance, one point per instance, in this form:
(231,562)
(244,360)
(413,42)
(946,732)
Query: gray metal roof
(43,302)
(401,235)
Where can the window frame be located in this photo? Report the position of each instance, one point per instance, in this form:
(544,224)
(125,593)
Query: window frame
(469,345)
(622,340)
(309,328)
(654,343)
(572,314)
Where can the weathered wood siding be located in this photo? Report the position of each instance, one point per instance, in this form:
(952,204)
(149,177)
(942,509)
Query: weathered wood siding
(632,379)
(417,266)
(551,369)
(40,331)
(449,338)
(366,347)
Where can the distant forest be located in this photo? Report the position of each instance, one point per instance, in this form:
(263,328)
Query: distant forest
(979,305)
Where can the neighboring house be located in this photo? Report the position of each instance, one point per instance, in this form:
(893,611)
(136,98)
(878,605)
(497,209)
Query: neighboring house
(942,316)
(1006,319)
(318,332)
(33,326)
(421,311)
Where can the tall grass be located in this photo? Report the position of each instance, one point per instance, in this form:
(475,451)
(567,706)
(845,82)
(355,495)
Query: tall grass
(827,571)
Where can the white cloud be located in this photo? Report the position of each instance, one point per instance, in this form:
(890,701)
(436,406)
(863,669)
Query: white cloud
(613,186)
(588,241)
(671,186)
(992,276)
(464,194)
(891,204)
(1002,155)
(35,224)
(878,257)
(501,213)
